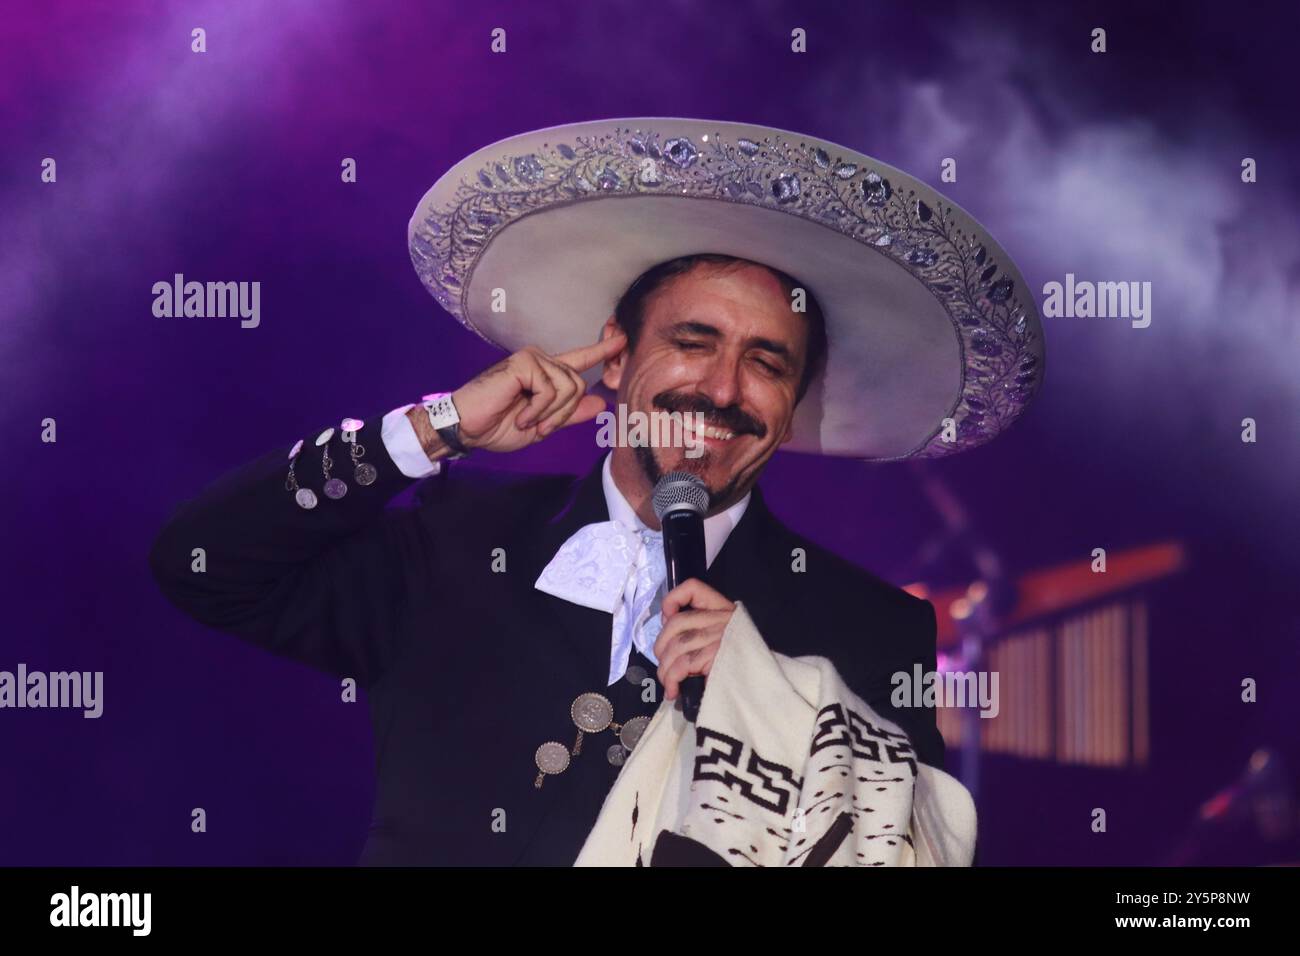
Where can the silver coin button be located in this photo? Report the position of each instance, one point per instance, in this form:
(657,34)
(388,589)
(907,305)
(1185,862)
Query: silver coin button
(552,757)
(592,713)
(630,733)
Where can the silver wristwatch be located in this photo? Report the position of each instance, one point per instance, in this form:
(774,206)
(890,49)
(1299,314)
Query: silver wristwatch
(446,422)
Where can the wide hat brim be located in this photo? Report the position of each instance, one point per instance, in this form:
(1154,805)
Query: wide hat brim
(934,345)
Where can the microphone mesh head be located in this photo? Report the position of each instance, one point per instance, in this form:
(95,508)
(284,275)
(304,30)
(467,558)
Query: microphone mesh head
(680,489)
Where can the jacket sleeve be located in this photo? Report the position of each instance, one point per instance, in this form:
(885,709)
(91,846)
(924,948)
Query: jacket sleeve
(920,723)
(325,586)
(927,740)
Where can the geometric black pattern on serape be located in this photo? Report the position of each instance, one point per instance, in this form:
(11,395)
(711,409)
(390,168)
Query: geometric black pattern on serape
(838,726)
(766,783)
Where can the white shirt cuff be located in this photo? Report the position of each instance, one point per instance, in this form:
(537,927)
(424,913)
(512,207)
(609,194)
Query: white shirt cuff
(403,445)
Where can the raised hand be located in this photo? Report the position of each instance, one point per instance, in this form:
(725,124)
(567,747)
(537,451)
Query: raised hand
(529,394)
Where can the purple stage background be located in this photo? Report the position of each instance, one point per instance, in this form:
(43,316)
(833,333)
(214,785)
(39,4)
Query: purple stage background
(1123,166)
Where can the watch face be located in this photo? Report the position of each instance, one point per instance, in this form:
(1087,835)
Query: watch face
(442,413)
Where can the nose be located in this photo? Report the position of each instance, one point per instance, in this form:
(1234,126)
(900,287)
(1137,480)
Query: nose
(721,381)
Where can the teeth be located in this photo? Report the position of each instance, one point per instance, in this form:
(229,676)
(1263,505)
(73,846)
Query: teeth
(710,432)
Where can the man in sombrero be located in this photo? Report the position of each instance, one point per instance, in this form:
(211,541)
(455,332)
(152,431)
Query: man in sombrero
(514,632)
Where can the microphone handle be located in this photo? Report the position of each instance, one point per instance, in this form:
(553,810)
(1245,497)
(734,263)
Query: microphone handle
(684,559)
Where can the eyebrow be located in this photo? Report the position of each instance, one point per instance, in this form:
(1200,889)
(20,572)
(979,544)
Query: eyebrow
(755,341)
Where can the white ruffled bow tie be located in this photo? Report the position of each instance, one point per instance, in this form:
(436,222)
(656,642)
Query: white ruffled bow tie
(620,570)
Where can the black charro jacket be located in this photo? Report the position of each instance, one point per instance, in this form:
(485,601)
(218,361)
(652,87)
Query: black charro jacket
(469,668)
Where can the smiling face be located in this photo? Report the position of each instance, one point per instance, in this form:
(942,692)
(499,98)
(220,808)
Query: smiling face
(724,342)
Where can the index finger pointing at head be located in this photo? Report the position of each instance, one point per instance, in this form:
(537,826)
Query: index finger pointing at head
(586,356)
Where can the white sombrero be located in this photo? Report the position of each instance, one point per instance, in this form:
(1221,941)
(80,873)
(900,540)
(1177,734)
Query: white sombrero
(927,318)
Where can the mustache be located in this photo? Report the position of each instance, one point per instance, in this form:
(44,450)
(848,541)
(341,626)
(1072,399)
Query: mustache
(731,418)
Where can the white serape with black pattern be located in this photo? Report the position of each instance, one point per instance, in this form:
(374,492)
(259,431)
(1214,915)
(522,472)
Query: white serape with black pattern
(785,766)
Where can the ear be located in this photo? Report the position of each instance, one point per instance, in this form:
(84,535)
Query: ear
(789,432)
(612,375)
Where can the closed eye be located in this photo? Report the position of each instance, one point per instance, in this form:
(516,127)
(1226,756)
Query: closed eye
(695,346)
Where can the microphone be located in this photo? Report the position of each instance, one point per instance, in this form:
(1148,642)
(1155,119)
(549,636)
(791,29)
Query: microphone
(680,502)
